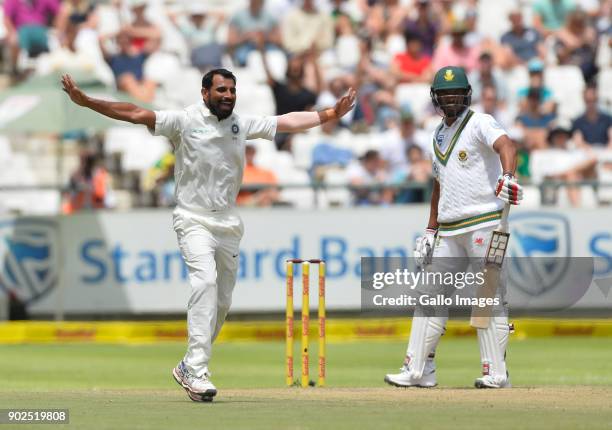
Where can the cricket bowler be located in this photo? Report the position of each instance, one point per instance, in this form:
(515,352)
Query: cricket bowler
(209,145)
(473,164)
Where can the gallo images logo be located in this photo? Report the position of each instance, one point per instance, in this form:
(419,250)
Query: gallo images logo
(539,249)
(28,257)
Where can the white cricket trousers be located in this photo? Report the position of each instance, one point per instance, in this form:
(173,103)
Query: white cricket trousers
(209,245)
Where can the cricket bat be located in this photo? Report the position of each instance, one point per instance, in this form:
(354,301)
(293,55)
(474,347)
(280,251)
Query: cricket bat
(494,259)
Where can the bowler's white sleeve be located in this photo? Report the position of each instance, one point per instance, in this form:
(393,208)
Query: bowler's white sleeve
(489,130)
(169,123)
(260,127)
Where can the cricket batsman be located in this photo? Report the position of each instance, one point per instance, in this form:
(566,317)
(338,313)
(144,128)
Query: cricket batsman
(209,145)
(473,164)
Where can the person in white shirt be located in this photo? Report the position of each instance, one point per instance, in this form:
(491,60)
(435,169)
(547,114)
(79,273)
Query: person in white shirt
(209,144)
(473,167)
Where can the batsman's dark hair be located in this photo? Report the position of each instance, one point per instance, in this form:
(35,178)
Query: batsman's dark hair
(208,77)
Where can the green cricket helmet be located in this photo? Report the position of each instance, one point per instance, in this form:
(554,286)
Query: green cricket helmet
(451,103)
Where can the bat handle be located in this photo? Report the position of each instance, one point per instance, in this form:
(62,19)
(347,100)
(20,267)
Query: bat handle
(504,217)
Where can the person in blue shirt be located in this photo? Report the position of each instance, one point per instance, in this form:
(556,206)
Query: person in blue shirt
(593,127)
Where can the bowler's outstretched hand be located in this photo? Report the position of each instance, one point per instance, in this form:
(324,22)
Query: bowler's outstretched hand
(346,103)
(71,88)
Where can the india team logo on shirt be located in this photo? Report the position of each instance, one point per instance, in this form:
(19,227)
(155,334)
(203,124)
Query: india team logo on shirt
(235,128)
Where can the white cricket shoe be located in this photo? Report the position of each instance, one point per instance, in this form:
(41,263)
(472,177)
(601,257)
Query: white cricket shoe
(405,378)
(490,381)
(198,389)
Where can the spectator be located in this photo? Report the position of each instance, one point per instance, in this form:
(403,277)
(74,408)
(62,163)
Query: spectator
(594,127)
(396,141)
(384,18)
(369,171)
(76,24)
(475,38)
(199,28)
(424,26)
(89,186)
(377,100)
(248,25)
(576,43)
(417,171)
(293,95)
(347,43)
(536,80)
(413,65)
(144,36)
(571,165)
(27,24)
(455,51)
(128,68)
(534,120)
(446,14)
(485,75)
(254,176)
(489,104)
(524,43)
(550,15)
(305,26)
(326,153)
(75,12)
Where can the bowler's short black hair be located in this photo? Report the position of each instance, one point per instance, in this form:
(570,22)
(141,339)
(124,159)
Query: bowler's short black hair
(208,77)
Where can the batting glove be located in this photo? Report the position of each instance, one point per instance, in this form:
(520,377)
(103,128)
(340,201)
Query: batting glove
(508,189)
(423,247)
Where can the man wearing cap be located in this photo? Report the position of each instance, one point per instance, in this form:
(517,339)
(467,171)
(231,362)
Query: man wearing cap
(536,80)
(473,166)
(402,134)
(209,145)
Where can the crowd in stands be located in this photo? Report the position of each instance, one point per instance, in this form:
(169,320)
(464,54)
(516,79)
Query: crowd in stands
(542,68)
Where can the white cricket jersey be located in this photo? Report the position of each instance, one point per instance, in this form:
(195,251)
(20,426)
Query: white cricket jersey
(467,168)
(209,154)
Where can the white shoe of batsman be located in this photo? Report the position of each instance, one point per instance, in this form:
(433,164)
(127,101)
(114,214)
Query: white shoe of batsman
(405,378)
(198,389)
(490,381)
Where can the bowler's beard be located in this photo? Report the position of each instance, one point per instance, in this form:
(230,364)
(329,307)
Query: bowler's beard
(215,109)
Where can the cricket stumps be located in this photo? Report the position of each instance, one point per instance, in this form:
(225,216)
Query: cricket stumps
(305,328)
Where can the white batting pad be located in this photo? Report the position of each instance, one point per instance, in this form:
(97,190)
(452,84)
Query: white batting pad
(424,337)
(493,341)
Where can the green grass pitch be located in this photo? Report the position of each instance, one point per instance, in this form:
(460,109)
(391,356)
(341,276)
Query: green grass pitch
(558,383)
